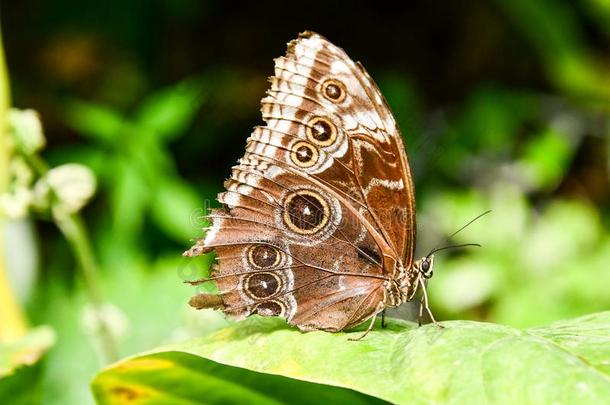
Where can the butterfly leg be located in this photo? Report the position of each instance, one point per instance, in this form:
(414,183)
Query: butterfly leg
(383,324)
(421,311)
(197,282)
(425,304)
(366,332)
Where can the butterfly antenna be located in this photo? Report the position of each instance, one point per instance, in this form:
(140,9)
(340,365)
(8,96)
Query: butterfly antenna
(452,247)
(436,249)
(469,223)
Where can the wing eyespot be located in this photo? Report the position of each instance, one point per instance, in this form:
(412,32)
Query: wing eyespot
(334,90)
(305,212)
(262,285)
(304,155)
(270,308)
(321,131)
(263,256)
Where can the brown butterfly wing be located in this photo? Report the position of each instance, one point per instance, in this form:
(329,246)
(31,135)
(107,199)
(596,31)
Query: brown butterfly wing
(275,260)
(310,213)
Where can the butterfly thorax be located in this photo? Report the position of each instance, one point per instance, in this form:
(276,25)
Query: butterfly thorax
(393,294)
(403,286)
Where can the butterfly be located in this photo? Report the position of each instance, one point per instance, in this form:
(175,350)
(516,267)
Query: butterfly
(318,217)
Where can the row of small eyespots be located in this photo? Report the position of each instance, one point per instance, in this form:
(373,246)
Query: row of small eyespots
(320,130)
(264,284)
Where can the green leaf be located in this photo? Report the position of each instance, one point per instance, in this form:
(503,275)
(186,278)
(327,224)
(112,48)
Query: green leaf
(588,339)
(26,350)
(22,366)
(546,159)
(95,121)
(493,115)
(24,386)
(91,156)
(465,362)
(174,209)
(181,378)
(168,112)
(552,28)
(130,199)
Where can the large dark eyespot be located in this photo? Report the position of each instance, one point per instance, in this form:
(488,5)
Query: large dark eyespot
(262,285)
(321,131)
(304,154)
(270,308)
(334,90)
(305,212)
(263,256)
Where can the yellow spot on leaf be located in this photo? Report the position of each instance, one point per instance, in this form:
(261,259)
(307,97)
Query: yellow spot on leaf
(146,363)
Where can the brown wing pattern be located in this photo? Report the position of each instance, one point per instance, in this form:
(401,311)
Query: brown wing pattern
(376,151)
(309,222)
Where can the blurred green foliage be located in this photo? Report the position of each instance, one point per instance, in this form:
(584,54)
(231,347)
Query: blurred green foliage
(131,158)
(504,105)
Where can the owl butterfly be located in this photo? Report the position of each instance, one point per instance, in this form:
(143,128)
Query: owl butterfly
(318,224)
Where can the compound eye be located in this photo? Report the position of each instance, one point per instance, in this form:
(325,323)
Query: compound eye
(425,266)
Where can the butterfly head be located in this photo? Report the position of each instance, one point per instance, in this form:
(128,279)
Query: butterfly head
(404,287)
(425,265)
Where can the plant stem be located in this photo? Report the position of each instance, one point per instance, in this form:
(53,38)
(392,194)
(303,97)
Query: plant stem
(13,324)
(73,229)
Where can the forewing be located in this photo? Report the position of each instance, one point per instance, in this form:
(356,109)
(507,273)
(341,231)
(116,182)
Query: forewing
(315,84)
